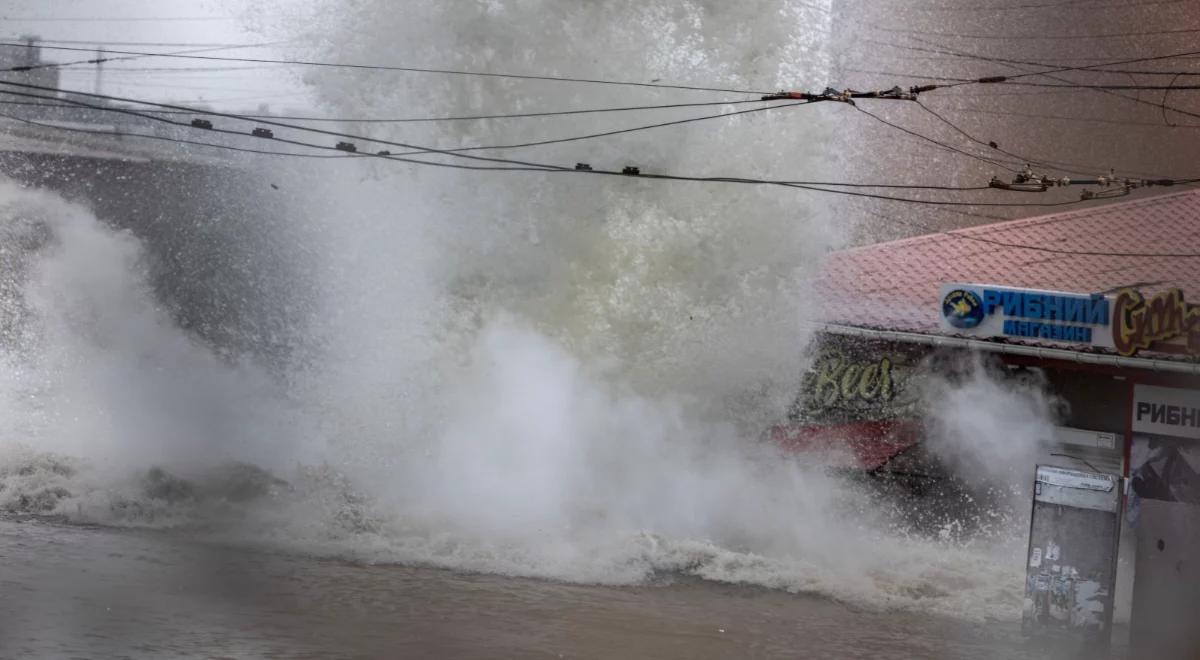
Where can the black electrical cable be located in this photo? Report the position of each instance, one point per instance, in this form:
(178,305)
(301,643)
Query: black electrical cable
(114,19)
(1095,120)
(621,131)
(1043,37)
(1065,167)
(287,141)
(183,69)
(941,145)
(175,44)
(377,67)
(100,60)
(1054,68)
(957,234)
(1075,85)
(418,149)
(905,74)
(1069,84)
(267,122)
(521,115)
(814,186)
(145,136)
(1081,4)
(576,138)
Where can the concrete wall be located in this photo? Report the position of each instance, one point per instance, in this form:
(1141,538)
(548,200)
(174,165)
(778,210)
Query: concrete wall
(222,254)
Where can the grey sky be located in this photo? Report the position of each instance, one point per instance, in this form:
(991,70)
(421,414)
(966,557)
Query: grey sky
(223,84)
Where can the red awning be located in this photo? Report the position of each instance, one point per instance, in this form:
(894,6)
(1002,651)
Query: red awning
(866,445)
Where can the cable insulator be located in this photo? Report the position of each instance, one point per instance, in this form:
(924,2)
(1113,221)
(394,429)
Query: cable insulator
(1018,185)
(347,146)
(262,133)
(202,123)
(583,167)
(992,79)
(782,94)
(631,171)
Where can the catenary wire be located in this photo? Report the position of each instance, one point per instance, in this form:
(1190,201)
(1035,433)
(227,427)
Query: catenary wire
(937,143)
(1044,5)
(1097,120)
(58,65)
(958,235)
(1040,37)
(520,115)
(814,186)
(380,67)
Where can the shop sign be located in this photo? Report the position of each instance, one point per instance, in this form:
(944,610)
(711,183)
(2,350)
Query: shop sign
(1166,411)
(848,382)
(1166,318)
(982,310)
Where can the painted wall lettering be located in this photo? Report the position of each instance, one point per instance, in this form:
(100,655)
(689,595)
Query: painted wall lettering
(1138,323)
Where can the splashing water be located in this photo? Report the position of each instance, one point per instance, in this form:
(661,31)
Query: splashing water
(542,375)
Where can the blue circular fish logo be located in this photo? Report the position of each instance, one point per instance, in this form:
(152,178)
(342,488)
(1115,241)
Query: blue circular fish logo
(963,308)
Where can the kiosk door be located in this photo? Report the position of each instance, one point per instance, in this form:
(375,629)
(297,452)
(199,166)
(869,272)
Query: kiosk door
(1071,565)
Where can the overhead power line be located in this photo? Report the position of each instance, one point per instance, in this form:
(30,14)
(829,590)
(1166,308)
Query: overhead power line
(102,60)
(905,74)
(1054,68)
(115,19)
(163,138)
(118,134)
(1038,37)
(961,235)
(937,143)
(179,69)
(175,44)
(1074,85)
(522,166)
(1060,6)
(380,67)
(1066,167)
(519,115)
(1093,120)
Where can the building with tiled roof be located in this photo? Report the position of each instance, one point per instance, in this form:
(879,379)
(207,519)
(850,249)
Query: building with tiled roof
(1149,245)
(1093,307)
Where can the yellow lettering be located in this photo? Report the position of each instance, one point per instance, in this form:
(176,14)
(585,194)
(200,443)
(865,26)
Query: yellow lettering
(868,383)
(849,380)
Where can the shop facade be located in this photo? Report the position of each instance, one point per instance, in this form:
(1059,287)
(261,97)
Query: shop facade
(1102,325)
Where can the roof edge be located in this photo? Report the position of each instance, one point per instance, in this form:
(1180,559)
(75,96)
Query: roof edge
(1149,364)
(969,231)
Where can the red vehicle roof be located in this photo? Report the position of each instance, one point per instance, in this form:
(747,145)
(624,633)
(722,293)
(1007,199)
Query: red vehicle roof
(894,285)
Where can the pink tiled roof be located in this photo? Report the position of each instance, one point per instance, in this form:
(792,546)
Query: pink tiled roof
(894,285)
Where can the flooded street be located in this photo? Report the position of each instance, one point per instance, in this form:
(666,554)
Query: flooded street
(84,592)
(573,329)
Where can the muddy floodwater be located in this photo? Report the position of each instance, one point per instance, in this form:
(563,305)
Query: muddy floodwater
(87,592)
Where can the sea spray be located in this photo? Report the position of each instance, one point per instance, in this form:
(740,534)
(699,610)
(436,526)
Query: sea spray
(553,375)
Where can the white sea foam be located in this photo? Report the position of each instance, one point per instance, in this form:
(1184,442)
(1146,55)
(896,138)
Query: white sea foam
(557,376)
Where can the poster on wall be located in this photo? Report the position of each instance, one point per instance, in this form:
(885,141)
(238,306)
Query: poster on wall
(1164,459)
(1071,562)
